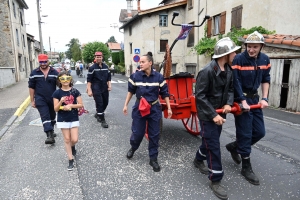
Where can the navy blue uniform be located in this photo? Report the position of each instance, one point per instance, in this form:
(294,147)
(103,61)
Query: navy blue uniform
(249,73)
(44,87)
(214,89)
(98,77)
(149,87)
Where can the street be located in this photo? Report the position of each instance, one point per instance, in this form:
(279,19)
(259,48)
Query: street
(32,170)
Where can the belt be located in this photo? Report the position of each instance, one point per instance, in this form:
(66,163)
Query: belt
(150,102)
(250,95)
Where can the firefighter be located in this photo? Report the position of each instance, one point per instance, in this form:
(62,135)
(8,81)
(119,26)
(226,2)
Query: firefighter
(251,69)
(147,85)
(42,84)
(98,86)
(214,90)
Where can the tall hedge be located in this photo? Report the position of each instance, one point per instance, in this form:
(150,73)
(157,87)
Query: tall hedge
(122,57)
(115,57)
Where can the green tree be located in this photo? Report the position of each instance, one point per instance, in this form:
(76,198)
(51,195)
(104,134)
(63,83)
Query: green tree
(69,53)
(112,39)
(89,50)
(61,56)
(76,52)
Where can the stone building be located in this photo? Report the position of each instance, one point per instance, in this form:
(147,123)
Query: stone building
(14,62)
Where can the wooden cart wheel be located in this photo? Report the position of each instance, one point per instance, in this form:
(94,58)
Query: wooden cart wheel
(192,124)
(160,129)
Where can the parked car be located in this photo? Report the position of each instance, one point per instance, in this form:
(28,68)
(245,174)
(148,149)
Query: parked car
(58,67)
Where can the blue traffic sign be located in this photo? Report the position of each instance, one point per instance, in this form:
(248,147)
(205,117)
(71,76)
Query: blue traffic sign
(136,58)
(137,51)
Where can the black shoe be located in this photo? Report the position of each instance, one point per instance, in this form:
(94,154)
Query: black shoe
(231,147)
(54,135)
(218,189)
(104,124)
(201,166)
(50,138)
(96,116)
(130,153)
(73,150)
(155,165)
(248,173)
(71,165)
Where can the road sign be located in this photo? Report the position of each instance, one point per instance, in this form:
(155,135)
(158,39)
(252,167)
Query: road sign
(136,58)
(137,51)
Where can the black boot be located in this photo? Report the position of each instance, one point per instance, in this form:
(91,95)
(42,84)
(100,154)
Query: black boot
(73,150)
(155,165)
(50,138)
(102,121)
(130,153)
(218,189)
(231,147)
(71,165)
(201,166)
(248,173)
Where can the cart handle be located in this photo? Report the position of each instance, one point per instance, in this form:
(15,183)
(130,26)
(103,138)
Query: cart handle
(175,14)
(238,109)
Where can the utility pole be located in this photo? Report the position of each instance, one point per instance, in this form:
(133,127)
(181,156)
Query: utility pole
(40,28)
(50,49)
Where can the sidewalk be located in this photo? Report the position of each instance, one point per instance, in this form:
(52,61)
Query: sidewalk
(12,98)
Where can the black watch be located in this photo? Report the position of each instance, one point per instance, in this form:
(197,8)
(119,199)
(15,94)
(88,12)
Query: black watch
(265,99)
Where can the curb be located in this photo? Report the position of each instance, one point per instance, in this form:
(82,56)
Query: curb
(18,113)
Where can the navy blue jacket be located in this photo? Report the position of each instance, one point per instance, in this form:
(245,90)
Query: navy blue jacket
(99,76)
(249,73)
(149,87)
(43,86)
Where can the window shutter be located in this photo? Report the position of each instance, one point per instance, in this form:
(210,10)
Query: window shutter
(209,27)
(239,17)
(223,23)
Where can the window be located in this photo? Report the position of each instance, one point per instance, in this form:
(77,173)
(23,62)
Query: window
(23,40)
(191,68)
(14,9)
(216,24)
(130,30)
(190,4)
(17,36)
(130,46)
(163,20)
(236,17)
(191,37)
(174,68)
(21,19)
(163,44)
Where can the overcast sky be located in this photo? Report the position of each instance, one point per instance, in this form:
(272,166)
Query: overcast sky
(87,20)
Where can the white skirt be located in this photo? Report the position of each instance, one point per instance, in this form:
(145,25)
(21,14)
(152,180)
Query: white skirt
(67,124)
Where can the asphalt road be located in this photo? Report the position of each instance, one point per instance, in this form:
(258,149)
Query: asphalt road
(32,170)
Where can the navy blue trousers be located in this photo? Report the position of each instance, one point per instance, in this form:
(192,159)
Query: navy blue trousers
(101,100)
(250,128)
(47,113)
(139,126)
(210,150)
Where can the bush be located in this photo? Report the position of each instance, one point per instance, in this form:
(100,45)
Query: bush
(115,57)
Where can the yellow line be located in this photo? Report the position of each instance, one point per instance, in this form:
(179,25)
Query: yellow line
(23,107)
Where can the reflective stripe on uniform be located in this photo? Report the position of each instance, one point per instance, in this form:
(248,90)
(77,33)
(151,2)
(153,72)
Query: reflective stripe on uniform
(201,153)
(238,67)
(97,70)
(147,84)
(46,122)
(216,171)
(36,76)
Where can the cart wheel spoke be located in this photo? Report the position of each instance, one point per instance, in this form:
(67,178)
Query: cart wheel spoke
(192,124)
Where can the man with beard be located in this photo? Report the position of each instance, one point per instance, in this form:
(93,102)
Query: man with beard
(214,90)
(98,86)
(42,84)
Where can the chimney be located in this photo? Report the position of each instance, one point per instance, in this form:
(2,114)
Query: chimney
(139,5)
(129,8)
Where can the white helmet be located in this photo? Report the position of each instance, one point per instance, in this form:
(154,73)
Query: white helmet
(255,37)
(224,46)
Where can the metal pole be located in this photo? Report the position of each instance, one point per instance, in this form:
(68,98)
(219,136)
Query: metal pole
(40,28)
(50,50)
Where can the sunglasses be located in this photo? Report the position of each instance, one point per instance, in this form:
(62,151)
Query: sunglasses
(43,62)
(65,78)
